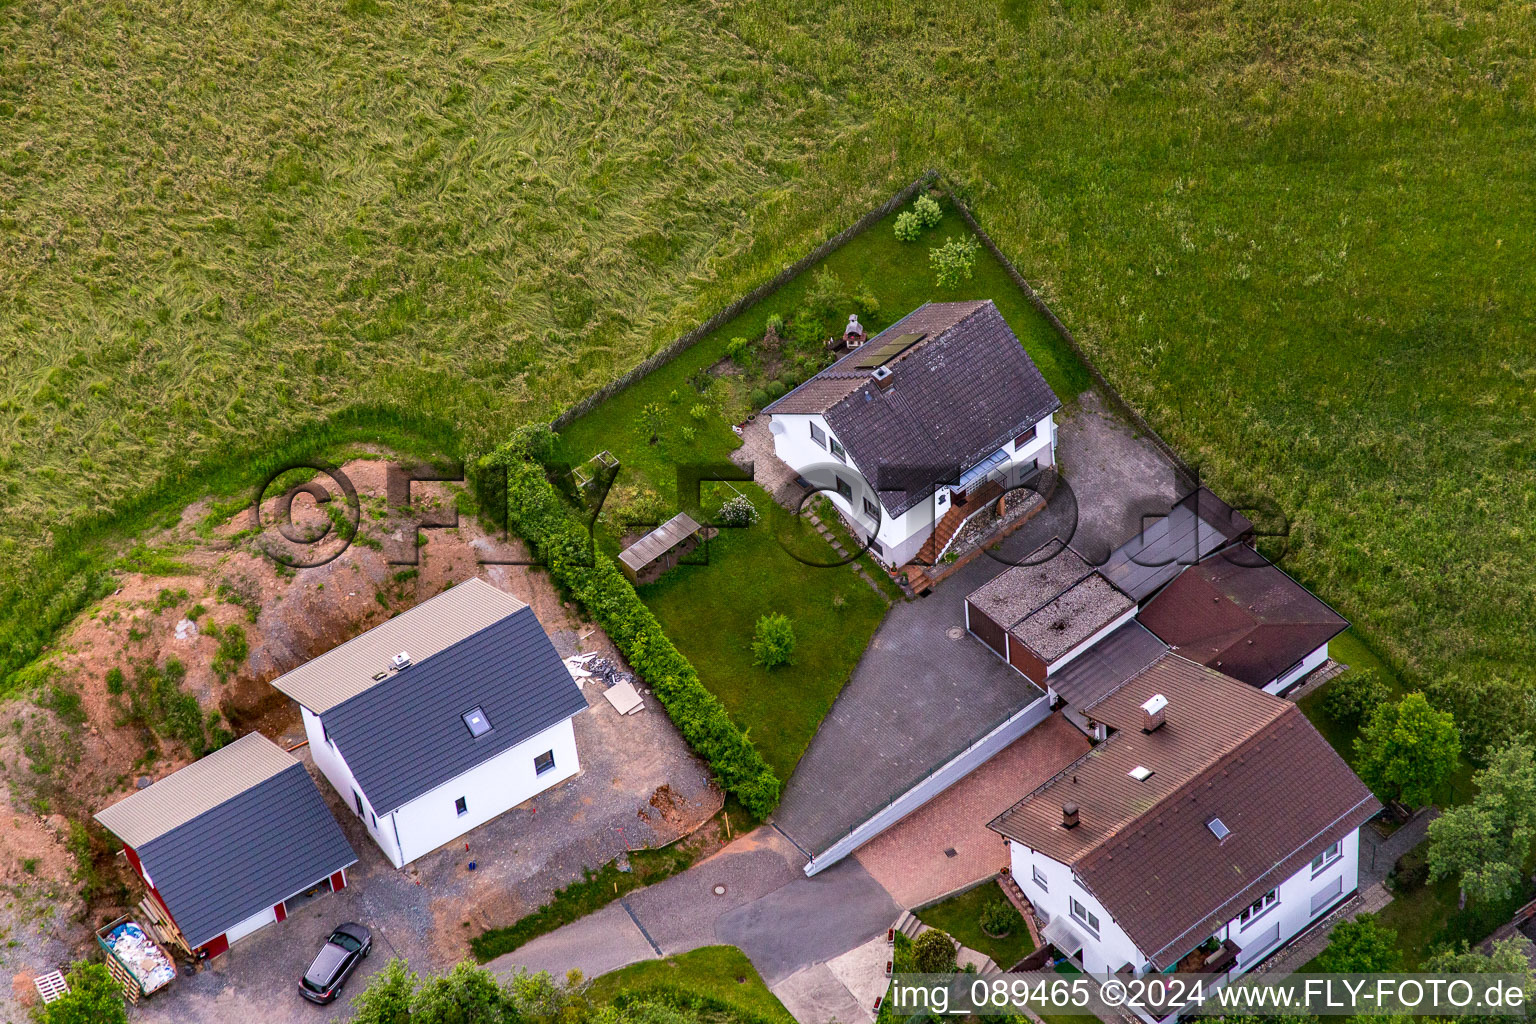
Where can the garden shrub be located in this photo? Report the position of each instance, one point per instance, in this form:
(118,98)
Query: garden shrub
(686,434)
(927,212)
(954,261)
(1354,695)
(774,325)
(738,512)
(536,512)
(698,411)
(933,952)
(775,389)
(998,918)
(94,997)
(1411,871)
(908,228)
(738,351)
(758,397)
(773,642)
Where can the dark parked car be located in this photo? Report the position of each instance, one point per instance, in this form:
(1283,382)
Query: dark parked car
(348,945)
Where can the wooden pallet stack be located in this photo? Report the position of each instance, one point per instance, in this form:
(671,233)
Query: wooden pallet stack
(161,927)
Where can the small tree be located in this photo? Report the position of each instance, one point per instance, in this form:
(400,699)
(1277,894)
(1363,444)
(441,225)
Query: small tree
(1487,841)
(1506,957)
(465,995)
(1360,946)
(93,998)
(927,211)
(908,227)
(998,918)
(1407,749)
(954,261)
(653,416)
(774,641)
(933,952)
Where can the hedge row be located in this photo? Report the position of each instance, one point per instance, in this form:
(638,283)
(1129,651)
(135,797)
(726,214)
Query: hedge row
(537,513)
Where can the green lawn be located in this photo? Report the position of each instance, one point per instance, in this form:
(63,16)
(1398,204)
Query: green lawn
(959,916)
(709,612)
(722,972)
(1428,918)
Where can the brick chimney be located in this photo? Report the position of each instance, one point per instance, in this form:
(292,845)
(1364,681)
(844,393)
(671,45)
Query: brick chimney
(1069,815)
(1152,712)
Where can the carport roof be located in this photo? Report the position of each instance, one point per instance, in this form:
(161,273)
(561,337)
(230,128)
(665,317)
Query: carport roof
(406,735)
(257,836)
(1199,524)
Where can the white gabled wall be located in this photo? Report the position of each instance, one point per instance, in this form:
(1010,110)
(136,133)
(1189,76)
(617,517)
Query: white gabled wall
(1291,913)
(899,537)
(333,766)
(488,789)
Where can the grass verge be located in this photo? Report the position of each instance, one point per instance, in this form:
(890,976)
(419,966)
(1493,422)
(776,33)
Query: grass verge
(960,916)
(720,972)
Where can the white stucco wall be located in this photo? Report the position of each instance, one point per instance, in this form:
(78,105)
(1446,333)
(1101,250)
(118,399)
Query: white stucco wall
(1291,678)
(899,537)
(334,767)
(489,789)
(1291,913)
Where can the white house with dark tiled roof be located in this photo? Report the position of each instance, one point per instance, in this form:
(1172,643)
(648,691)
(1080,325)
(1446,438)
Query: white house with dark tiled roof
(921,427)
(440,719)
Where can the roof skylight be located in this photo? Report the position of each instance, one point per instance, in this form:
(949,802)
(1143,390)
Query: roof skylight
(478,724)
(1141,773)
(1218,828)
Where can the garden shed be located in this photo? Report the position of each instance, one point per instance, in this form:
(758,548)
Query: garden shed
(647,558)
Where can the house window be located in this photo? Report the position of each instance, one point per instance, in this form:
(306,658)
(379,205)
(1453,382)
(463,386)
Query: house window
(544,762)
(871,509)
(1327,894)
(1322,861)
(326,733)
(1085,916)
(461,806)
(1256,909)
(837,450)
(1039,878)
(845,489)
(818,435)
(1026,437)
(359,798)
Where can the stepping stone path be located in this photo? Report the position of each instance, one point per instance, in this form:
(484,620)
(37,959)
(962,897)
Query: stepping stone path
(842,552)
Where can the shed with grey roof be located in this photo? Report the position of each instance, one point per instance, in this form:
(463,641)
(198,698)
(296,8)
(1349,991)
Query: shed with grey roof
(652,555)
(225,843)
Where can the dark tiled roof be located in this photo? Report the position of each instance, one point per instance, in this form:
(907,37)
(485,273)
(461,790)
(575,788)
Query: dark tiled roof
(1226,750)
(1198,525)
(1243,615)
(1285,795)
(1107,665)
(406,736)
(954,398)
(1207,716)
(252,851)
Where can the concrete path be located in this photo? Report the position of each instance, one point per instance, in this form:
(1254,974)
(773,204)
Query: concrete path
(782,920)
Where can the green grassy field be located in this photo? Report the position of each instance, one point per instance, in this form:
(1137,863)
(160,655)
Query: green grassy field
(1294,234)
(722,972)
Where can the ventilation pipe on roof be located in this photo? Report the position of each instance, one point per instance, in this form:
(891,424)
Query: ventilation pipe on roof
(1152,712)
(1069,815)
(400,660)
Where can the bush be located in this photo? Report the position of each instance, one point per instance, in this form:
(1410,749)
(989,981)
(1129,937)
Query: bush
(1360,946)
(535,511)
(908,228)
(1411,871)
(927,212)
(954,261)
(698,411)
(774,325)
(773,643)
(738,512)
(653,416)
(933,952)
(998,918)
(686,434)
(759,397)
(94,997)
(1354,695)
(737,350)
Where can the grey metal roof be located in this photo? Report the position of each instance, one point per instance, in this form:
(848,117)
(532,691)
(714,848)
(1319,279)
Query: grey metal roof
(1197,525)
(406,736)
(259,847)
(656,543)
(1106,665)
(199,787)
(961,393)
(435,624)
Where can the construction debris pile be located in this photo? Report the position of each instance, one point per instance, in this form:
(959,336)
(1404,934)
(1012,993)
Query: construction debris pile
(620,685)
(141,956)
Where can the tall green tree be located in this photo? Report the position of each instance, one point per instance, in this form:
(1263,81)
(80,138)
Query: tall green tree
(1360,946)
(1407,749)
(465,995)
(94,997)
(387,999)
(1487,841)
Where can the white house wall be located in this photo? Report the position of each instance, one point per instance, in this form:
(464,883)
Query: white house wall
(1291,913)
(489,789)
(1291,678)
(333,766)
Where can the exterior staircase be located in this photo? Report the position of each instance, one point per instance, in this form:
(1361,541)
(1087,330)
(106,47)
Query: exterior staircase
(911,927)
(949,524)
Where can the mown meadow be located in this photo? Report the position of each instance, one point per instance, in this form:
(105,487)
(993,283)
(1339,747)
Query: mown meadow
(1294,234)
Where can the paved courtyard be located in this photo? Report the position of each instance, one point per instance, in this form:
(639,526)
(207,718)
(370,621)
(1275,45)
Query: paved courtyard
(945,845)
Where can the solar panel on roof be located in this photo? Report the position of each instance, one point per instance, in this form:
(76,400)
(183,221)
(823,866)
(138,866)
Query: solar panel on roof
(878,355)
